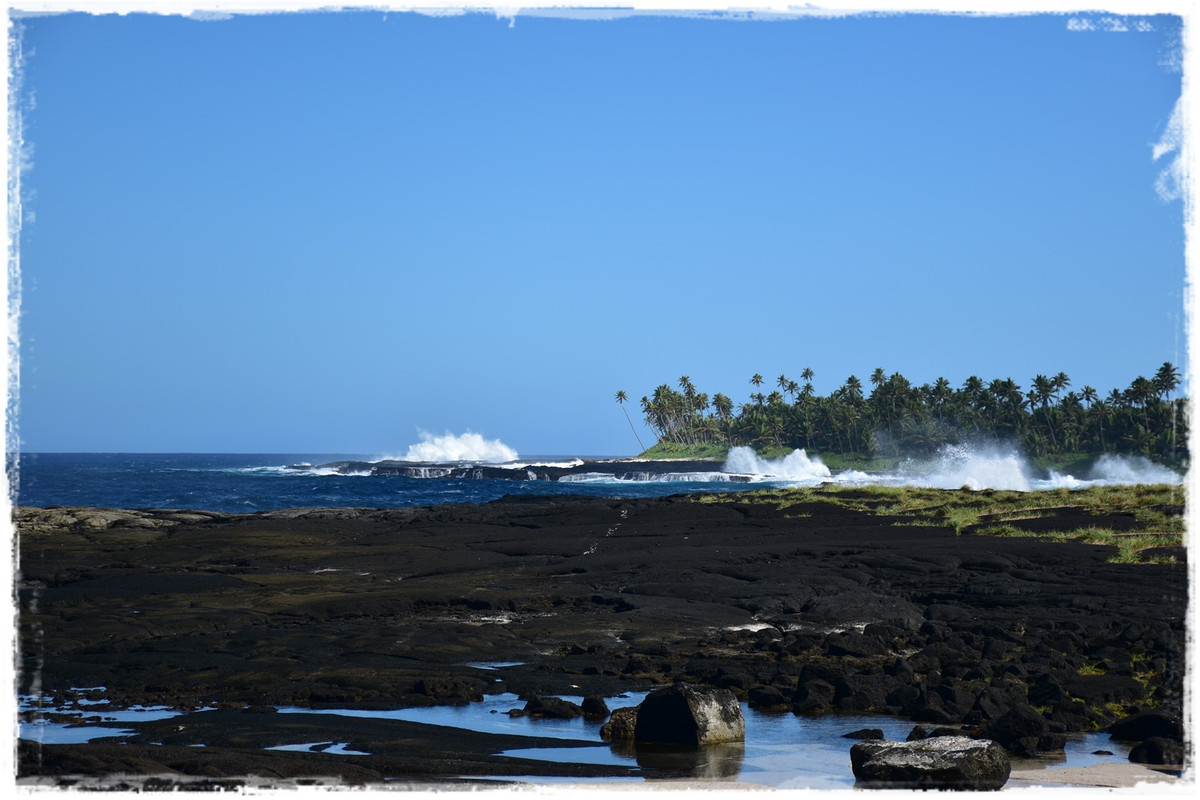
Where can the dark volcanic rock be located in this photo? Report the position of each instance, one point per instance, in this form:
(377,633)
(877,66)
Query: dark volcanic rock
(1149,723)
(451,690)
(864,733)
(1157,750)
(552,708)
(944,762)
(594,706)
(621,725)
(813,697)
(1021,730)
(684,714)
(385,608)
(768,698)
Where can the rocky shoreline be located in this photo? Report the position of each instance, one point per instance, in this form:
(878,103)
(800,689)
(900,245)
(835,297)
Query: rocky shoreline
(808,609)
(631,469)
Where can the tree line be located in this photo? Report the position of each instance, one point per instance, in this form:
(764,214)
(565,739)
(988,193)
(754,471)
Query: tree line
(896,418)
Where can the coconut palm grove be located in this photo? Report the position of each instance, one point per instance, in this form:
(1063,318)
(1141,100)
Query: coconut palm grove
(894,418)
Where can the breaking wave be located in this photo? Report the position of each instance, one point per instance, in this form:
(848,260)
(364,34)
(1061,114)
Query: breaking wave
(955,466)
(795,466)
(959,466)
(1131,469)
(465,447)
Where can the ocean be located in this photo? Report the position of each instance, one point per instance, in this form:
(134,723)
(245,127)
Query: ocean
(242,483)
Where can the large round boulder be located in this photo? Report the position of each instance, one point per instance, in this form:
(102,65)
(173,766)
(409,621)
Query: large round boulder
(685,714)
(942,762)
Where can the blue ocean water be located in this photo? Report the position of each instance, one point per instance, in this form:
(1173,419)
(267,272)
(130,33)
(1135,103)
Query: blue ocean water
(239,483)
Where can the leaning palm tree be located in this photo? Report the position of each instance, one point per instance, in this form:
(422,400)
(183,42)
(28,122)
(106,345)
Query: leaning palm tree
(621,398)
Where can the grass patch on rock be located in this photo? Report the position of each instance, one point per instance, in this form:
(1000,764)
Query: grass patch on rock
(1129,519)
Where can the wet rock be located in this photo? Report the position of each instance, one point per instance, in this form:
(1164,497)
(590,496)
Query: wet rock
(768,698)
(1157,750)
(944,762)
(1016,729)
(594,706)
(684,714)
(917,734)
(551,708)
(869,734)
(621,725)
(1146,724)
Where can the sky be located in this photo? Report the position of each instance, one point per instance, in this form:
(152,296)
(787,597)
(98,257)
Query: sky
(332,232)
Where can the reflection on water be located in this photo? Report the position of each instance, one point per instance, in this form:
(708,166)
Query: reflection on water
(781,749)
(490,716)
(709,762)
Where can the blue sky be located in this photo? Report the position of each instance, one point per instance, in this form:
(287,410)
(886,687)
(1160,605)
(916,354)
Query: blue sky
(327,232)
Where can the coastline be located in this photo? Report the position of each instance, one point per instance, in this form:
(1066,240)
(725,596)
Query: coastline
(376,608)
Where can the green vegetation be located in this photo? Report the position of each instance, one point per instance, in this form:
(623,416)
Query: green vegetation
(1153,514)
(691,451)
(1052,425)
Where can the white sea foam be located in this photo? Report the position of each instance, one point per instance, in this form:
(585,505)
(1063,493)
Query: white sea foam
(795,467)
(958,466)
(1131,469)
(990,467)
(565,463)
(955,466)
(649,477)
(465,447)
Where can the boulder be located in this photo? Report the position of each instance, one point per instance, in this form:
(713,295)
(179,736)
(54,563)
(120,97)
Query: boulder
(1018,723)
(621,725)
(943,762)
(813,697)
(1149,723)
(917,734)
(768,698)
(872,734)
(1158,750)
(594,706)
(685,714)
(551,708)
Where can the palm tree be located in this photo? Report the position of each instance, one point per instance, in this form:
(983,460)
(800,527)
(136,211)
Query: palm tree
(723,405)
(1100,409)
(1043,391)
(1166,380)
(757,380)
(621,398)
(853,387)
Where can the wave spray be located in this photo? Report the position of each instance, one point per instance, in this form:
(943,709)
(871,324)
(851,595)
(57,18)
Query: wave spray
(795,466)
(465,447)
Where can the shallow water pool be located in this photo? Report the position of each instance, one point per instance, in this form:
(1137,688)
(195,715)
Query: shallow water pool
(781,749)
